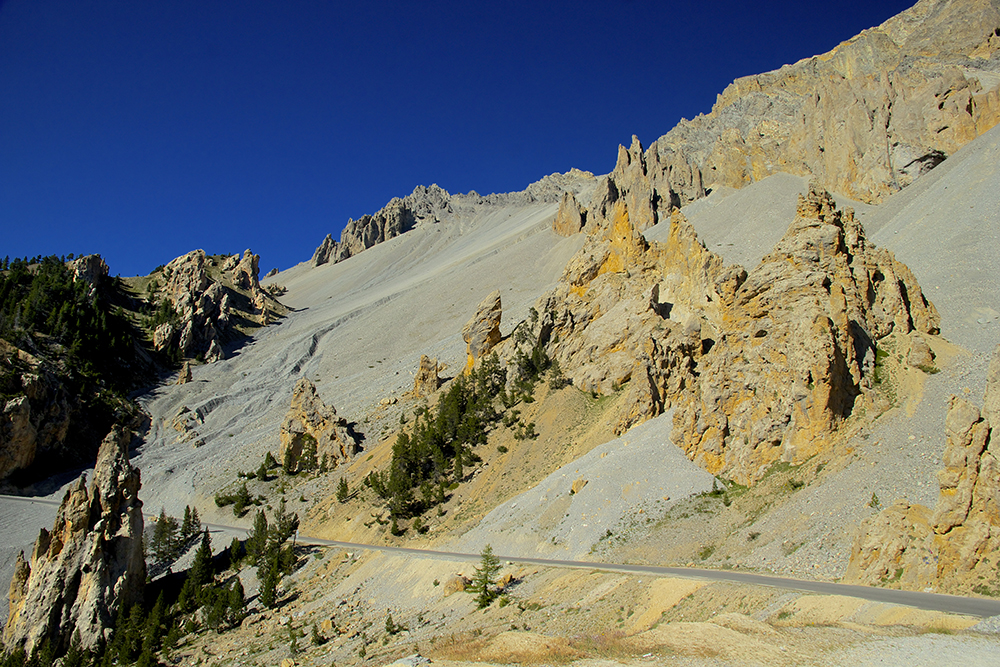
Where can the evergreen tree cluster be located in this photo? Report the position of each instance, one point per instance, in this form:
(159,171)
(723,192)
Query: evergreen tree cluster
(40,300)
(439,448)
(171,538)
(266,549)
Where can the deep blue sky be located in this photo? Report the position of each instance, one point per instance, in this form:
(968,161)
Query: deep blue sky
(142,130)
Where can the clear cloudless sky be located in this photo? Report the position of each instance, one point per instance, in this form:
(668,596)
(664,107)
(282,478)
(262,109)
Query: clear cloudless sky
(141,130)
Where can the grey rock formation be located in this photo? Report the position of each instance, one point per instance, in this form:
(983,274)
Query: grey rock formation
(89,565)
(324,252)
(205,305)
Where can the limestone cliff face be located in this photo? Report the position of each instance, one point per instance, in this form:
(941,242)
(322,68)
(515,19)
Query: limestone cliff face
(89,564)
(864,119)
(308,417)
(207,306)
(760,366)
(950,547)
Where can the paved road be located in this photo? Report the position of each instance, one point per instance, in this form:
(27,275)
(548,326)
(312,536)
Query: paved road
(930,601)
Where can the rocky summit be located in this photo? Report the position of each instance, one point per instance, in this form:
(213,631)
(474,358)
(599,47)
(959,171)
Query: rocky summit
(753,347)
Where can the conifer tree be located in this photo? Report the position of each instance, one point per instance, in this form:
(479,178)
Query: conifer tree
(256,543)
(482,581)
(342,490)
(267,574)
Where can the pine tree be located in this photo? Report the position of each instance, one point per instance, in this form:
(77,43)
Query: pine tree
(235,551)
(237,602)
(267,574)
(200,574)
(256,543)
(482,581)
(342,490)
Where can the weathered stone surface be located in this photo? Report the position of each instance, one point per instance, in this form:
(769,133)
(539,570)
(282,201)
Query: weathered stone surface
(951,547)
(482,332)
(426,381)
(920,354)
(570,218)
(433,205)
(36,417)
(89,565)
(795,348)
(309,418)
(245,274)
(205,305)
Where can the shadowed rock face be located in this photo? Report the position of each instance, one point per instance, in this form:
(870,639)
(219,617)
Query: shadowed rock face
(951,546)
(89,565)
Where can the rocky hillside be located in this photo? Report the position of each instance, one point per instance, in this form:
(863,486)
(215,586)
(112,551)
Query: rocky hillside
(646,398)
(76,343)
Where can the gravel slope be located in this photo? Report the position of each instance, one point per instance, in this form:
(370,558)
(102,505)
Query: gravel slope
(638,474)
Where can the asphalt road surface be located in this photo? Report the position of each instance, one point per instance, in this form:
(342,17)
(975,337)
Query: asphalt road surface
(955,604)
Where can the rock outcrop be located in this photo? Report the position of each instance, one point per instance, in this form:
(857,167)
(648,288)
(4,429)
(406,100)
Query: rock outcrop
(760,366)
(426,381)
(89,565)
(796,345)
(91,269)
(570,218)
(39,412)
(482,332)
(864,120)
(952,547)
(310,421)
(206,307)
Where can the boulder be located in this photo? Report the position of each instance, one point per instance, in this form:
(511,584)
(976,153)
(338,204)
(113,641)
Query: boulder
(920,355)
(482,332)
(310,419)
(185,375)
(427,380)
(570,218)
(89,565)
